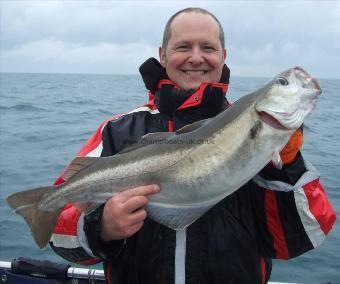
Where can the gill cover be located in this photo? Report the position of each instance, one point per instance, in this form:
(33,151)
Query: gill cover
(290,97)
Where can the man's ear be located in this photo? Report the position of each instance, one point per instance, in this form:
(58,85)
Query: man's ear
(161,52)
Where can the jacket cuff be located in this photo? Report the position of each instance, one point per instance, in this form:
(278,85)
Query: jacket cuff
(104,250)
(290,173)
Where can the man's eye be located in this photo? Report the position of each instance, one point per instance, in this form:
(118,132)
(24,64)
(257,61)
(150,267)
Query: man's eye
(208,48)
(182,47)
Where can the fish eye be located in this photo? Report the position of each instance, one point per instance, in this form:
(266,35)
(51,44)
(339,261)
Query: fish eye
(282,81)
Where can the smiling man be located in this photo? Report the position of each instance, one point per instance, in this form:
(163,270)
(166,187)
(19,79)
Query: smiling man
(275,215)
(193,50)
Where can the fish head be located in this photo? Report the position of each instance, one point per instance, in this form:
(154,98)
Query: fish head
(288,99)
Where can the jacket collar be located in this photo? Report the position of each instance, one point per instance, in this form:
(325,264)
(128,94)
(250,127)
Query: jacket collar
(207,101)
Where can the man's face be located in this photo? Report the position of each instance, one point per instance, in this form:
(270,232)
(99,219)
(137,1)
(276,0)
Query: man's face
(194,53)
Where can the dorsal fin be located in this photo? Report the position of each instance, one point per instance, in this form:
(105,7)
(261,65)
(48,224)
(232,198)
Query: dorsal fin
(147,139)
(193,126)
(77,165)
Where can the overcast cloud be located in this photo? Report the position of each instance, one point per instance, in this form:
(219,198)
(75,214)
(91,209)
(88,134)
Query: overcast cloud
(262,37)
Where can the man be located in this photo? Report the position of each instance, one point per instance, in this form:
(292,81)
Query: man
(276,216)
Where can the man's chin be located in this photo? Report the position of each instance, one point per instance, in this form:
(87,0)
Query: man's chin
(191,85)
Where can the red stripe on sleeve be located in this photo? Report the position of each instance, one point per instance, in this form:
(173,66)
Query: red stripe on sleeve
(67,222)
(319,205)
(275,226)
(94,141)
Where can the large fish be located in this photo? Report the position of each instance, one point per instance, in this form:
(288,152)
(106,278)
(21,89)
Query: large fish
(196,166)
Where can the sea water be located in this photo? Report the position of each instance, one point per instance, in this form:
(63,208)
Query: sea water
(46,118)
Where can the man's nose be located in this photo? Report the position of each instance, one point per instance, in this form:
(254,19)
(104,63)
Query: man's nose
(196,57)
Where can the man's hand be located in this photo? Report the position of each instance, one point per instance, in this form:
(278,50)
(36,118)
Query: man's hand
(293,146)
(124,214)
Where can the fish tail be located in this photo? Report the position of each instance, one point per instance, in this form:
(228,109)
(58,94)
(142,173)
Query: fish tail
(41,222)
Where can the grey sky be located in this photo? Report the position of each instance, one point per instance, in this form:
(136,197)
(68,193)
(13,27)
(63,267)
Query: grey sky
(262,37)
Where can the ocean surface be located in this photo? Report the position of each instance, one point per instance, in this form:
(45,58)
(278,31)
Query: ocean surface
(46,118)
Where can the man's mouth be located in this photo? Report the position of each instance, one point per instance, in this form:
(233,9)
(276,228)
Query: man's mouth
(195,72)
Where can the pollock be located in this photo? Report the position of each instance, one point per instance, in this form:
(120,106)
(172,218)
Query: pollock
(196,166)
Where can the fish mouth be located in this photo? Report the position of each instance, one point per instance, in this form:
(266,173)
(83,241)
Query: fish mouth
(271,120)
(306,80)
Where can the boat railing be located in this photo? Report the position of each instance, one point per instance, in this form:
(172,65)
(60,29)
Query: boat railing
(29,269)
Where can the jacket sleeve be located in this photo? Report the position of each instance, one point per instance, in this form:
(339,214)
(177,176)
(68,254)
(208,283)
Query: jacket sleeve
(291,210)
(69,239)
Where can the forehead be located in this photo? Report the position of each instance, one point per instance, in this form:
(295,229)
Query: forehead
(194,25)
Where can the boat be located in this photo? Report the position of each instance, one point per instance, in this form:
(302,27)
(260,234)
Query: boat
(30,271)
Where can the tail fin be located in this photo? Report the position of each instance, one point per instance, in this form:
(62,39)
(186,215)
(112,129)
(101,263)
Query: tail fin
(41,222)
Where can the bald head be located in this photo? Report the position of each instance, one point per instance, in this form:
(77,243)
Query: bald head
(167,30)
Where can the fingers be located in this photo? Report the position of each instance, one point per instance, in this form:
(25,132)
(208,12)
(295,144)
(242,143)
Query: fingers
(129,231)
(138,191)
(124,213)
(135,203)
(137,217)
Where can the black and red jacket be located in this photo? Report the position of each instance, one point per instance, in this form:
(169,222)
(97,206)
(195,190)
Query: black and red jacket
(278,214)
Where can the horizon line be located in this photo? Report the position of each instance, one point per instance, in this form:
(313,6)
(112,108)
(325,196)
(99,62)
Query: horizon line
(135,74)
